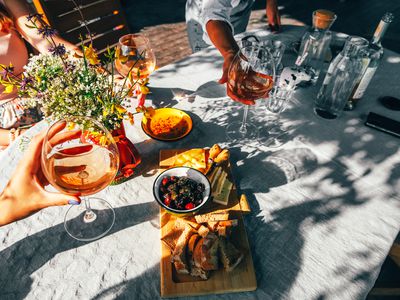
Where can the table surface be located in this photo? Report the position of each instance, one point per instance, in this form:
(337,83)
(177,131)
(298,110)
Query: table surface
(325,204)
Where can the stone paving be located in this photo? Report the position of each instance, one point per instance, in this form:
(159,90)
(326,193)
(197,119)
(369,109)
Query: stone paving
(170,42)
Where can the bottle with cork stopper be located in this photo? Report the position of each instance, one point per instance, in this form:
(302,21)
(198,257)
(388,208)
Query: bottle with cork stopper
(315,43)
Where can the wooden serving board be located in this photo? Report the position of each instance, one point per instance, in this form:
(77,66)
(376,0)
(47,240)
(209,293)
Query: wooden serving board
(241,279)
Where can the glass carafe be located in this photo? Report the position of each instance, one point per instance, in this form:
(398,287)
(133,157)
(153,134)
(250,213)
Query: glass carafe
(315,43)
(341,77)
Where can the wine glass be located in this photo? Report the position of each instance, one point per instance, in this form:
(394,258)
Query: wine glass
(251,76)
(134,56)
(80,157)
(276,104)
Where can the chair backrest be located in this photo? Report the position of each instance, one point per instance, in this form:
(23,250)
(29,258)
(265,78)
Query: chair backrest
(104,18)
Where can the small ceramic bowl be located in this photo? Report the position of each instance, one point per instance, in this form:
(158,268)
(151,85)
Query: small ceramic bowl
(175,124)
(190,173)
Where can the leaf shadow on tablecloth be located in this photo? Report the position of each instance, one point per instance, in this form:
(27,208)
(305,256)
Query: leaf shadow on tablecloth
(276,235)
(19,261)
(277,232)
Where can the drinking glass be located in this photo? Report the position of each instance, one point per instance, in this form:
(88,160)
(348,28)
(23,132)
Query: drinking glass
(80,157)
(277,49)
(135,56)
(251,76)
(276,104)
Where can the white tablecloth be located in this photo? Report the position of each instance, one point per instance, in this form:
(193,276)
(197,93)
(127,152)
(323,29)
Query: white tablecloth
(325,205)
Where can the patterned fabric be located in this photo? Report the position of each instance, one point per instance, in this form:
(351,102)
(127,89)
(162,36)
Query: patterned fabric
(14,113)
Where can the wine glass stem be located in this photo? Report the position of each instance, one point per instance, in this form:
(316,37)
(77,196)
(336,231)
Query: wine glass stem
(243,127)
(89,215)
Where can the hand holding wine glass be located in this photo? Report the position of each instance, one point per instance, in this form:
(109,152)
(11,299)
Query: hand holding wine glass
(82,158)
(250,77)
(24,194)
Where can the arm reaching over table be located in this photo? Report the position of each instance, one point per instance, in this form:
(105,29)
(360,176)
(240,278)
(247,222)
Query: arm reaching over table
(220,28)
(273,17)
(20,11)
(24,194)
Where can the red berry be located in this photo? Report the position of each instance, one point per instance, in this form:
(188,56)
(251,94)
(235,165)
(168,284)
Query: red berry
(164,181)
(189,205)
(167,201)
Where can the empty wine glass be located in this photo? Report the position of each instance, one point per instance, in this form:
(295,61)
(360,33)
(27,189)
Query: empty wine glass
(276,104)
(80,157)
(277,49)
(134,56)
(251,76)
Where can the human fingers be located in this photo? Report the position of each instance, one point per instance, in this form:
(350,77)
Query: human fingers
(57,199)
(41,178)
(224,77)
(225,69)
(61,138)
(64,137)
(31,160)
(62,170)
(237,99)
(273,16)
(56,128)
(73,151)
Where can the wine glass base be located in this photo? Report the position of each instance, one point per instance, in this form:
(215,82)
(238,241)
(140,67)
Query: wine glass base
(234,133)
(274,142)
(76,222)
(325,114)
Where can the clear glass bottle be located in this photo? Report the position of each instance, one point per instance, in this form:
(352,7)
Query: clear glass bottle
(375,54)
(315,43)
(341,78)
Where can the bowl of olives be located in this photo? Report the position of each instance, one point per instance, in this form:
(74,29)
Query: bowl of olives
(182,191)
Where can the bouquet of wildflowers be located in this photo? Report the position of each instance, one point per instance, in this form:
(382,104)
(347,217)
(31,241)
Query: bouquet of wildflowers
(65,84)
(68,84)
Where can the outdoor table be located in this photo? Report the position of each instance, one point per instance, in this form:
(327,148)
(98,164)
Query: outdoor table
(325,204)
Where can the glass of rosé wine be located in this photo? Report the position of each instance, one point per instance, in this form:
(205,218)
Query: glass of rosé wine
(134,56)
(80,157)
(251,76)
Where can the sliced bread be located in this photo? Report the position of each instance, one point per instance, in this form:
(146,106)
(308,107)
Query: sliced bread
(179,253)
(196,269)
(209,253)
(229,254)
(214,216)
(171,233)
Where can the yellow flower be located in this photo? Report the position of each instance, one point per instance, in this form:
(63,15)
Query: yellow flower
(9,87)
(149,112)
(103,141)
(70,125)
(122,58)
(91,55)
(144,89)
(131,118)
(120,109)
(143,86)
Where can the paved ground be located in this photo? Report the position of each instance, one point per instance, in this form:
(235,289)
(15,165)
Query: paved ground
(163,21)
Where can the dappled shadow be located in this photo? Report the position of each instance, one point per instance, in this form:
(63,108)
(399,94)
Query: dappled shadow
(19,261)
(305,185)
(316,188)
(197,62)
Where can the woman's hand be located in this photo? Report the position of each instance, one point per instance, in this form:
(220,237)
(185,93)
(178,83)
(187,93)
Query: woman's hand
(274,19)
(25,194)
